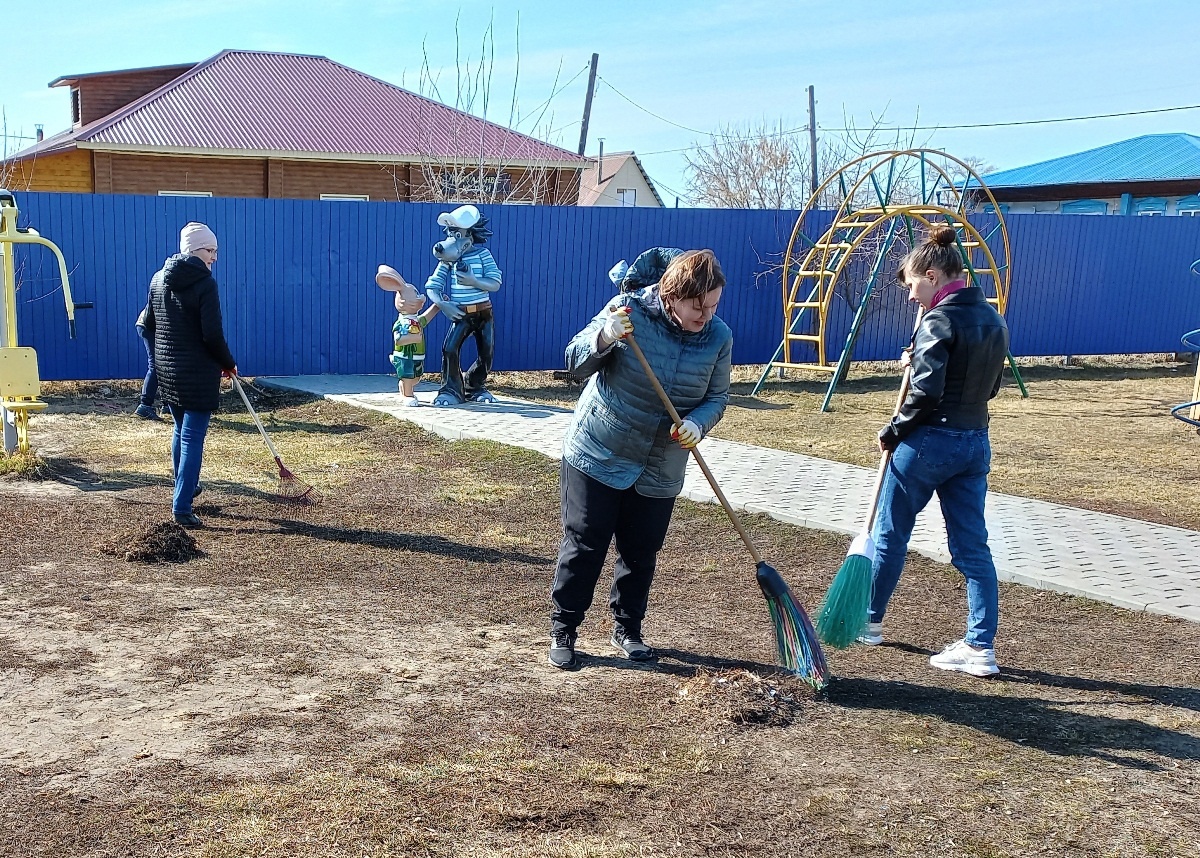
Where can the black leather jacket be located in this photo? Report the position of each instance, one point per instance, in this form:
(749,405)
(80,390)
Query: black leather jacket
(958,354)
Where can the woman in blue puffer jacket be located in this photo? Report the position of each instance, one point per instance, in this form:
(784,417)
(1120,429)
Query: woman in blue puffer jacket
(623,459)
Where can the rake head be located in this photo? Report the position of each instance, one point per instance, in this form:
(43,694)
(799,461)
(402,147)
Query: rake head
(292,489)
(795,639)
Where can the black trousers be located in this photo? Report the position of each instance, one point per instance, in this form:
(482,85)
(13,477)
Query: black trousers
(481,326)
(593,514)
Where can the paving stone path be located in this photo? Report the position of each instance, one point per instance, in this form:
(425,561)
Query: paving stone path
(1129,563)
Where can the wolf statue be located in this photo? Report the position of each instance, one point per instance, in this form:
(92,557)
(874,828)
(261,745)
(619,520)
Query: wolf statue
(462,286)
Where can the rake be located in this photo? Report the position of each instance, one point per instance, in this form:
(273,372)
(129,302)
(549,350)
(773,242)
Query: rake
(795,640)
(291,488)
(843,613)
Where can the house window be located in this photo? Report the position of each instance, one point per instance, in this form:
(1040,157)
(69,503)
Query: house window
(1150,206)
(185,193)
(76,110)
(1085,207)
(1188,206)
(354,198)
(627,197)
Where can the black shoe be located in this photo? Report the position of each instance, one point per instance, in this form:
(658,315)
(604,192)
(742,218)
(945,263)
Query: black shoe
(188,520)
(632,645)
(196,491)
(562,650)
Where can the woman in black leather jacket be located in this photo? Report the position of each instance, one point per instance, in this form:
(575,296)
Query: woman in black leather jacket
(939,443)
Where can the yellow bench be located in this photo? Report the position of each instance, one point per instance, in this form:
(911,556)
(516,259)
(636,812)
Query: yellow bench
(20,386)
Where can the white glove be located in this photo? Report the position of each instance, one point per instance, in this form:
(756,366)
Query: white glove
(618,325)
(688,434)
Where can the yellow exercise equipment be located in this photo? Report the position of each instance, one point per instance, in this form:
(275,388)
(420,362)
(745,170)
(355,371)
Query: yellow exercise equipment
(20,384)
(863,232)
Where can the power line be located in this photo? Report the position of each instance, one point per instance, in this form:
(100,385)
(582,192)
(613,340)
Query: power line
(553,93)
(649,112)
(963,126)
(1023,121)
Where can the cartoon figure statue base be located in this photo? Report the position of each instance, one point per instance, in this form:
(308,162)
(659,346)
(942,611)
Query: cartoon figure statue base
(462,286)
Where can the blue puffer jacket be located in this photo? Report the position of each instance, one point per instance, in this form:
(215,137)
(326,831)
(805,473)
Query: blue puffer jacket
(621,433)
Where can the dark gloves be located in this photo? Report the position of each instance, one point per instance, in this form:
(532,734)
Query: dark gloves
(888,439)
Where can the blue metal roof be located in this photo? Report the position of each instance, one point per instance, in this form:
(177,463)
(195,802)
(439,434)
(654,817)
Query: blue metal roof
(1152,157)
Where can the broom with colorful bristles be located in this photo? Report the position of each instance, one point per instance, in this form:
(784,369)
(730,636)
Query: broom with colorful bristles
(843,613)
(795,639)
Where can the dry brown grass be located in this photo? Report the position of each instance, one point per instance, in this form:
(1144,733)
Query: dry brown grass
(1096,435)
(367,677)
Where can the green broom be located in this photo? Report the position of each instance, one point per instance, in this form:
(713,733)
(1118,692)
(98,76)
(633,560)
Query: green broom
(843,613)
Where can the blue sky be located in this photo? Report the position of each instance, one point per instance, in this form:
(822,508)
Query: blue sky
(699,65)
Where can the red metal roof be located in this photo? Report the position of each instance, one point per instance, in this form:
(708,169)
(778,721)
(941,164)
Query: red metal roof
(254,102)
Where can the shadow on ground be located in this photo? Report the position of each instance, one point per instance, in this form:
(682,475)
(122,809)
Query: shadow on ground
(1049,726)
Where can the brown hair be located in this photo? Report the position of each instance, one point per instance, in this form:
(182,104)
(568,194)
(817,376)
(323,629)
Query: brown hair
(691,275)
(937,251)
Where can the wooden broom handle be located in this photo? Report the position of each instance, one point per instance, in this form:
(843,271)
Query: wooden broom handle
(708,475)
(887,454)
(238,387)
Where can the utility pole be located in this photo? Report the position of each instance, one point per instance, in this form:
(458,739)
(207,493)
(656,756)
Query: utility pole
(587,104)
(812,136)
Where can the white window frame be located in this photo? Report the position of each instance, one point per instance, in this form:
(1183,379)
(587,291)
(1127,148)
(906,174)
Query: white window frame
(627,197)
(345,198)
(185,193)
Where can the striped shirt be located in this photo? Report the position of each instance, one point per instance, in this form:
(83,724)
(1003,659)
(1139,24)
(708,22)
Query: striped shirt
(479,262)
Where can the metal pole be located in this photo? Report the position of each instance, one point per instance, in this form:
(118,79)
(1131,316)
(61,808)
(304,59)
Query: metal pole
(812,136)
(587,104)
(600,165)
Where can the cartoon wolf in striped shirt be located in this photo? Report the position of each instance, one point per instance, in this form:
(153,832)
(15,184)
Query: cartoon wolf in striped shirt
(462,286)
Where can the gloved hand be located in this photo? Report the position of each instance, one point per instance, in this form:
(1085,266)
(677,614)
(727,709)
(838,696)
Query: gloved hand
(618,325)
(688,434)
(453,311)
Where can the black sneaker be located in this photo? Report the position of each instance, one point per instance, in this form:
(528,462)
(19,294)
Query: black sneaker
(196,491)
(632,645)
(562,650)
(188,520)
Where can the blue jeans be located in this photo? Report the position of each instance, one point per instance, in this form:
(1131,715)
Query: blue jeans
(955,464)
(150,385)
(187,454)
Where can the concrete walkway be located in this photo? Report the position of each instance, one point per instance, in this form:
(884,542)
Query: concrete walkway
(1129,563)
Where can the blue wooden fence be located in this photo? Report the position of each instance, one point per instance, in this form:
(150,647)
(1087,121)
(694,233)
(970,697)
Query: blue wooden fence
(298,293)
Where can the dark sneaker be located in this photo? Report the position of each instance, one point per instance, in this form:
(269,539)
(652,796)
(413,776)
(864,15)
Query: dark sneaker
(188,520)
(146,412)
(632,645)
(196,491)
(562,650)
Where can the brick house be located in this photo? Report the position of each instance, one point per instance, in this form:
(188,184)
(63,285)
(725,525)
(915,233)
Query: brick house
(261,124)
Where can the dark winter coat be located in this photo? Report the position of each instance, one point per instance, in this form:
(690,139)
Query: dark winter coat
(958,354)
(183,316)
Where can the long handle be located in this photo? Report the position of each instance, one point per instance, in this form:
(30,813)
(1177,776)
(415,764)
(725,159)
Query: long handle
(237,385)
(887,454)
(708,475)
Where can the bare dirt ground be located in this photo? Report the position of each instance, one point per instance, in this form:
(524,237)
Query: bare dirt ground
(367,676)
(1097,434)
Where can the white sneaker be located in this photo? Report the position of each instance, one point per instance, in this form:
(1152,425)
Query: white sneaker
(412,402)
(964,658)
(872,634)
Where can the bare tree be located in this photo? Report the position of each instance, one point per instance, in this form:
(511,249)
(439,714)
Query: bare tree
(764,166)
(457,164)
